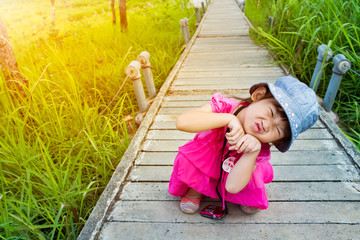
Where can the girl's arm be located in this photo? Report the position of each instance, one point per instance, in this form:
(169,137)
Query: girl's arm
(240,174)
(202,119)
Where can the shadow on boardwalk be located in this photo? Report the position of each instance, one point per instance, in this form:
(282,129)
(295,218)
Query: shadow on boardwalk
(315,193)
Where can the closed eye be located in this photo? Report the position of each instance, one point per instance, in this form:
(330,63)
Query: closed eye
(272,112)
(278,131)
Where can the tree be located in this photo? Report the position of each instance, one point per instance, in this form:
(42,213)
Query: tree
(8,62)
(113,11)
(122,10)
(53,13)
(123,19)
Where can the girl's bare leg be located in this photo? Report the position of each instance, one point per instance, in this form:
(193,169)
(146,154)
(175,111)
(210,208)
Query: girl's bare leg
(191,193)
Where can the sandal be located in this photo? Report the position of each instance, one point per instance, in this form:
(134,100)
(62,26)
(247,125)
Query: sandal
(249,209)
(190,205)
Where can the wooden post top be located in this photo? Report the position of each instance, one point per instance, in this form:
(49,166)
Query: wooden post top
(133,70)
(144,59)
(183,22)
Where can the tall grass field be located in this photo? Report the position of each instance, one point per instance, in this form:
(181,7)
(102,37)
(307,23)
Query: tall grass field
(60,144)
(293,30)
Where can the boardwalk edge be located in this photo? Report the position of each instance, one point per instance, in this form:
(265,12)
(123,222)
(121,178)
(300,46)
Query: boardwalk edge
(348,146)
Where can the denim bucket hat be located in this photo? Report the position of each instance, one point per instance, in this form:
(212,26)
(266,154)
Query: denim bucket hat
(299,103)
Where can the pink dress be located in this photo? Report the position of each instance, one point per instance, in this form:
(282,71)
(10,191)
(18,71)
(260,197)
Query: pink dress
(197,165)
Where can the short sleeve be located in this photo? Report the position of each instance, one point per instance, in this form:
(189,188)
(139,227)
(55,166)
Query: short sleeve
(220,104)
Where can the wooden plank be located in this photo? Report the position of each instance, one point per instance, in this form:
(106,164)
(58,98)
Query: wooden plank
(173,111)
(226,26)
(232,18)
(241,74)
(278,212)
(274,71)
(222,25)
(206,87)
(239,62)
(282,173)
(230,39)
(243,42)
(226,57)
(179,135)
(221,31)
(239,70)
(229,50)
(227,23)
(217,230)
(225,41)
(166,118)
(277,158)
(298,145)
(222,34)
(276,191)
(231,82)
(214,48)
(163,125)
(179,104)
(169,134)
(190,97)
(168,122)
(219,64)
(226,49)
(217,83)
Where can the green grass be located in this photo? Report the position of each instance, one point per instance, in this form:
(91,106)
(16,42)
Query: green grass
(298,28)
(60,145)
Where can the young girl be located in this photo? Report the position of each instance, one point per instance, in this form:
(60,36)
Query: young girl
(275,113)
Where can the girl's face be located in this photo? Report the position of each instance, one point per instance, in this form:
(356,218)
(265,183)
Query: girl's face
(261,120)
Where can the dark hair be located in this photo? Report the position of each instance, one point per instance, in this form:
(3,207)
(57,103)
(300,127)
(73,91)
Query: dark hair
(280,110)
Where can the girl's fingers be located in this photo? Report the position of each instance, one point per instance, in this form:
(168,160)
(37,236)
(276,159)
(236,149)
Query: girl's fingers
(234,135)
(246,143)
(233,138)
(238,144)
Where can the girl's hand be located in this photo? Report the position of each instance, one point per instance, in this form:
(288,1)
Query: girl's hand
(236,131)
(247,144)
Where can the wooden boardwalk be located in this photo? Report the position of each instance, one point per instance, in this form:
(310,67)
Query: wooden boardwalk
(315,193)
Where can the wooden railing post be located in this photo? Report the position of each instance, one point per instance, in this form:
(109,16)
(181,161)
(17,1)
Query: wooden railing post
(185,29)
(133,72)
(241,4)
(341,65)
(203,7)
(198,16)
(143,59)
(318,71)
